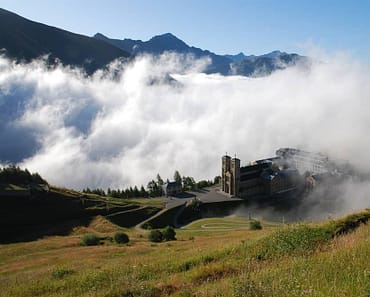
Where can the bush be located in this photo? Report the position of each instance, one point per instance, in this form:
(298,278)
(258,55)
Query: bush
(60,272)
(120,237)
(255,225)
(169,234)
(155,236)
(90,239)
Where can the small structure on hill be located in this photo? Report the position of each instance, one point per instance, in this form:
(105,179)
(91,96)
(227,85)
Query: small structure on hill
(172,188)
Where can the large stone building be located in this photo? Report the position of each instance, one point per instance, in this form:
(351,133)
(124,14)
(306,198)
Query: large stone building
(230,175)
(275,175)
(315,163)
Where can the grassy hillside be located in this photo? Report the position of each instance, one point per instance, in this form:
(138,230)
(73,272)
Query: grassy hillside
(327,259)
(27,216)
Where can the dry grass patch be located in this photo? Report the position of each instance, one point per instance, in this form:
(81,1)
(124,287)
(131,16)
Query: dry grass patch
(211,273)
(98,224)
(209,264)
(350,240)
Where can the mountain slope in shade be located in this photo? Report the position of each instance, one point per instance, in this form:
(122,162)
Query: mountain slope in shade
(239,64)
(22,39)
(265,64)
(237,57)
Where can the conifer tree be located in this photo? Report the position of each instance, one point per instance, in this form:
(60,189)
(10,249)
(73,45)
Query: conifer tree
(177,177)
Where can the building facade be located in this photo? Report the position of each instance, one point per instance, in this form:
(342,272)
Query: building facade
(172,188)
(230,175)
(315,163)
(276,175)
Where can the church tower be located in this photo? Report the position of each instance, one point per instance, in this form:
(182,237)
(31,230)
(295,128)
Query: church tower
(225,183)
(235,172)
(230,177)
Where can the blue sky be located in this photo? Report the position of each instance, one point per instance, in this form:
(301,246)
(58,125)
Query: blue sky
(254,27)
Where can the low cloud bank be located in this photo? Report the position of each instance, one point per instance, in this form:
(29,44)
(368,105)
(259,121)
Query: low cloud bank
(122,126)
(329,200)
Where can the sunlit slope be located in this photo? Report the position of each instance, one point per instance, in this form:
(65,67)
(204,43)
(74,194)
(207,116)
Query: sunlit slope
(326,259)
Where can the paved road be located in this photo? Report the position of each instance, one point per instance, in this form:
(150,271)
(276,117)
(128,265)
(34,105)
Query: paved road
(211,195)
(139,226)
(207,196)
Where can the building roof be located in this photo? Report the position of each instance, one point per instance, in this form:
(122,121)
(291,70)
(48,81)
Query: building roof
(254,167)
(172,185)
(268,160)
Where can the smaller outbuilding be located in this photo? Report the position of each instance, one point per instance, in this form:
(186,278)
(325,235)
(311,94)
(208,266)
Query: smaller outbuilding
(172,188)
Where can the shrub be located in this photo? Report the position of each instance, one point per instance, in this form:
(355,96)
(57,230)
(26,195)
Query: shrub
(120,237)
(60,272)
(155,236)
(169,233)
(255,225)
(90,239)
(147,226)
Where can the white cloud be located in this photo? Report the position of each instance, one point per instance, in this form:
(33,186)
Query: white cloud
(118,129)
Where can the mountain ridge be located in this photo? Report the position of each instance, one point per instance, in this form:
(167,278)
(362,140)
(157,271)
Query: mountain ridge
(25,40)
(168,42)
(238,64)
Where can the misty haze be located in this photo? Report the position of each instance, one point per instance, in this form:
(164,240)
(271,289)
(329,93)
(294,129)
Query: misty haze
(135,163)
(118,128)
(122,129)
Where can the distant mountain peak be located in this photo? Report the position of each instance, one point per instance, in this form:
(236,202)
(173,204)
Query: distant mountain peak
(237,57)
(238,64)
(167,41)
(165,35)
(92,53)
(99,35)
(273,54)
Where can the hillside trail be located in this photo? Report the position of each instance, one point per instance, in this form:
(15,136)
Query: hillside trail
(168,207)
(127,211)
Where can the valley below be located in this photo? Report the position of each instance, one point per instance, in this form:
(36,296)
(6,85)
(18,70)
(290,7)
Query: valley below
(217,254)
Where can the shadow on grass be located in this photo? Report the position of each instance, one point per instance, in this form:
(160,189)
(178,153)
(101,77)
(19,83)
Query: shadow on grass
(31,233)
(28,218)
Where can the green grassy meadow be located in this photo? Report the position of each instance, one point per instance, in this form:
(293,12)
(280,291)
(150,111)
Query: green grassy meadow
(211,257)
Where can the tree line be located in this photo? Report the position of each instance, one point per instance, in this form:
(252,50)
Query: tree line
(154,187)
(14,175)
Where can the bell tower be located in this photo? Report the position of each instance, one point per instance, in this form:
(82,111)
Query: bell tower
(235,173)
(230,178)
(226,165)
